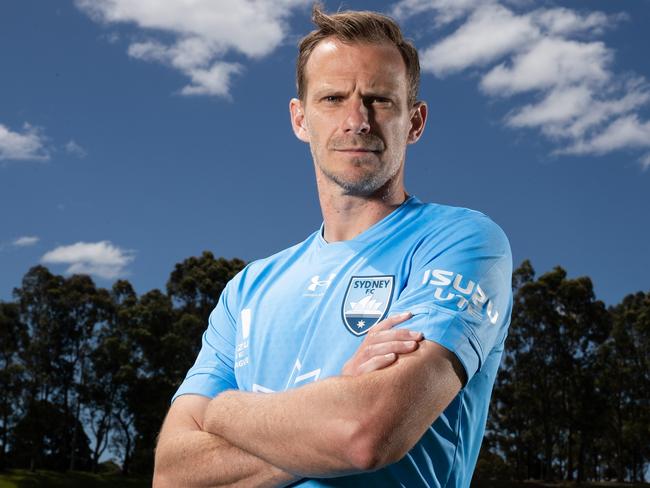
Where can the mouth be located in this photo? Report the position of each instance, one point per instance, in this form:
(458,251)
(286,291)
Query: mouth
(358,150)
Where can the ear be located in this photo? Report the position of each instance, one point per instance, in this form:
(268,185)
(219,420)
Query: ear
(298,122)
(418,121)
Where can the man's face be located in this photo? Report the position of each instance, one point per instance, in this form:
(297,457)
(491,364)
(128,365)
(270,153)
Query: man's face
(355,114)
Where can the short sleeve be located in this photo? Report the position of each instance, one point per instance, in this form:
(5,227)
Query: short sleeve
(459,290)
(213,370)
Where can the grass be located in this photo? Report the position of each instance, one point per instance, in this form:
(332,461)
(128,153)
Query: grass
(20,478)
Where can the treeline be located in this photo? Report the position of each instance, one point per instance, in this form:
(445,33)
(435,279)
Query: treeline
(572,399)
(87,372)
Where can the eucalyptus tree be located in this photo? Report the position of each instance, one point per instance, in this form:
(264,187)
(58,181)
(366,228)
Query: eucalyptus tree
(626,364)
(110,377)
(545,400)
(13,339)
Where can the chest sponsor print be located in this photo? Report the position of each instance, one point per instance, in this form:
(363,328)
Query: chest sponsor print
(366,302)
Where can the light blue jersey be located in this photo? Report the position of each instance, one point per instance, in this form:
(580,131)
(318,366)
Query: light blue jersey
(299,315)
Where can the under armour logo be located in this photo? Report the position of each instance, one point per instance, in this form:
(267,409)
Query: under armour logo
(316,282)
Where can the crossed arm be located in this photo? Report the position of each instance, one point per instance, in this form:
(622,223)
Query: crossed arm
(346,424)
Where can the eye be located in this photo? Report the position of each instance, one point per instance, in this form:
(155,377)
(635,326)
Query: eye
(379,101)
(332,98)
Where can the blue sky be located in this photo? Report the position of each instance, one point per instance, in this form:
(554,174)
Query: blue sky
(136,133)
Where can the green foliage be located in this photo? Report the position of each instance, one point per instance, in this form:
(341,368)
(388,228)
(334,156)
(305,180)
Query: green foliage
(571,372)
(75,358)
(13,338)
(197,283)
(40,438)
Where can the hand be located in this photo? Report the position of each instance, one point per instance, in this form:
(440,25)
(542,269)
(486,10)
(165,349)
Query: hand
(382,345)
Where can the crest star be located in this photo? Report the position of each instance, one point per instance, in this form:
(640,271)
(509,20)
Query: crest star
(361,323)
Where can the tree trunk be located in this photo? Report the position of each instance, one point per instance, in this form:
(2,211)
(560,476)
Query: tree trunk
(581,460)
(3,456)
(127,456)
(127,450)
(101,439)
(620,466)
(75,434)
(569,469)
(548,456)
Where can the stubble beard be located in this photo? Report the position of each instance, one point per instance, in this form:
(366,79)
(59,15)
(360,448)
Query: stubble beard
(371,180)
(361,186)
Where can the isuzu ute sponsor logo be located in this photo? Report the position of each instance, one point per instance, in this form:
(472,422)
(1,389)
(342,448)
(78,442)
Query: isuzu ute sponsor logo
(465,293)
(366,302)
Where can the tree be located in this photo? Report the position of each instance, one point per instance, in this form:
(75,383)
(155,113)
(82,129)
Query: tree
(196,283)
(85,307)
(13,339)
(39,438)
(114,369)
(61,316)
(41,310)
(625,362)
(543,408)
(167,338)
(39,301)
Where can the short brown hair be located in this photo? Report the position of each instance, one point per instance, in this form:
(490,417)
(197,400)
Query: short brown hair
(357,26)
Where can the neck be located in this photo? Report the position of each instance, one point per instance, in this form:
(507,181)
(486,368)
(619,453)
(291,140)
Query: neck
(346,216)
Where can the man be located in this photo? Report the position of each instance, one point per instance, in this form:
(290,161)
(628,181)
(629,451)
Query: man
(303,378)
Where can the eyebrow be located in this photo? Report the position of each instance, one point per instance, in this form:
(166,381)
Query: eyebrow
(330,90)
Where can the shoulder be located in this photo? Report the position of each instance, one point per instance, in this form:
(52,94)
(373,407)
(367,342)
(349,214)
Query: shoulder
(451,226)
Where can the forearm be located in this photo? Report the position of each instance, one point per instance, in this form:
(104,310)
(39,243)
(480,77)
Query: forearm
(201,459)
(309,431)
(341,425)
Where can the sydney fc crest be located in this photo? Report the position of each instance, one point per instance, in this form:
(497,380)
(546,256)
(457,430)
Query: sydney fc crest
(366,302)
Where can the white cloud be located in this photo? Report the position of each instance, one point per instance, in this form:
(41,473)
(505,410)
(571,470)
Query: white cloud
(186,54)
(563,22)
(203,32)
(557,108)
(624,132)
(549,63)
(212,81)
(28,145)
(491,32)
(569,112)
(102,259)
(444,11)
(25,241)
(75,149)
(550,54)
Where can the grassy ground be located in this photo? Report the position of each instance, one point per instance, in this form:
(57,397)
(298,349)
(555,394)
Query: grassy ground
(19,478)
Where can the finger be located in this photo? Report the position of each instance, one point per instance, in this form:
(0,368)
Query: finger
(377,362)
(397,347)
(396,335)
(391,321)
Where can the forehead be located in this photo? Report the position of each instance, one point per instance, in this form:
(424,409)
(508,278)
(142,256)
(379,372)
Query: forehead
(375,64)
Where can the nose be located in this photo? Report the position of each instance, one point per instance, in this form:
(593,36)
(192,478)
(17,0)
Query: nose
(357,120)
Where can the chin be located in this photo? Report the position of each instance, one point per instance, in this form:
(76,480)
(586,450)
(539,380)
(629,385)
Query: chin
(360,186)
